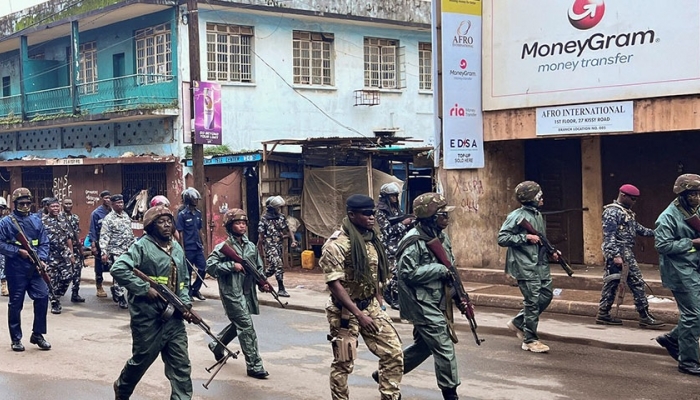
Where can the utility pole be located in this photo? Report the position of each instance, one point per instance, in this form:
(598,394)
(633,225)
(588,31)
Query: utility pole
(197,149)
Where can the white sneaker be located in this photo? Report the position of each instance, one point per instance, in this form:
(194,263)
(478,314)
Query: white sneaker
(519,333)
(535,347)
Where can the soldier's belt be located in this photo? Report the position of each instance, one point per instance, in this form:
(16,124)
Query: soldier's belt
(361,304)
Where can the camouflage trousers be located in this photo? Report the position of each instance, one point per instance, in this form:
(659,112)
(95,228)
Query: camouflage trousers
(634,281)
(384,344)
(391,288)
(61,275)
(77,269)
(118,292)
(273,257)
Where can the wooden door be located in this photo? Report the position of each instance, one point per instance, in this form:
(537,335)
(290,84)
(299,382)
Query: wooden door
(224,195)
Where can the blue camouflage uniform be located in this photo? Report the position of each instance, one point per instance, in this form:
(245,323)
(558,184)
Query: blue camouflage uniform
(96,219)
(58,265)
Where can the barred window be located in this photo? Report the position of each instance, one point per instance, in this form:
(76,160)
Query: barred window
(229,53)
(153,54)
(312,58)
(87,72)
(425,66)
(381,63)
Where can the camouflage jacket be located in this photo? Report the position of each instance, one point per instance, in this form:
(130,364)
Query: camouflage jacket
(336,264)
(116,235)
(620,228)
(74,222)
(391,233)
(272,229)
(58,231)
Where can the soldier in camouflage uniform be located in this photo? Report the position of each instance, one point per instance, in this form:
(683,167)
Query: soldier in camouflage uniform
(619,231)
(3,280)
(392,228)
(61,259)
(272,230)
(354,262)
(527,264)
(74,223)
(116,236)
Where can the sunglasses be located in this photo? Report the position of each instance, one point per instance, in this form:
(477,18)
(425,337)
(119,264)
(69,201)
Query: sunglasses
(24,203)
(443,214)
(367,213)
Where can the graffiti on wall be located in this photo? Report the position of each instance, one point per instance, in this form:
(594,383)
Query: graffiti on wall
(92,197)
(62,189)
(467,192)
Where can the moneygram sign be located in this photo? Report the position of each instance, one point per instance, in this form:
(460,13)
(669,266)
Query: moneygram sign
(549,52)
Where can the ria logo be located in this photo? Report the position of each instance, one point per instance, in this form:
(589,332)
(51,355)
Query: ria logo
(585,14)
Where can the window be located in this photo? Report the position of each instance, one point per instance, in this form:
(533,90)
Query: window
(425,66)
(381,63)
(312,58)
(153,55)
(5,86)
(87,73)
(229,53)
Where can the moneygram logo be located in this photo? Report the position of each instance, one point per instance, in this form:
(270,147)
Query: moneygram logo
(585,14)
(462,37)
(462,72)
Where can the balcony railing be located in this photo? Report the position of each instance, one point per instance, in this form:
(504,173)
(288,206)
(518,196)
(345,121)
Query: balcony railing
(125,93)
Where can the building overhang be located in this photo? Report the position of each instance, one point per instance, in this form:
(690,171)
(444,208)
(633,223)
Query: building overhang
(67,121)
(80,161)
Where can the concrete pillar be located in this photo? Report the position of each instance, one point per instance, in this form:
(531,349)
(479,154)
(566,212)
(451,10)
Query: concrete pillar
(592,181)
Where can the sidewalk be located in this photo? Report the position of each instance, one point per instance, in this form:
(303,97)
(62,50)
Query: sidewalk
(495,306)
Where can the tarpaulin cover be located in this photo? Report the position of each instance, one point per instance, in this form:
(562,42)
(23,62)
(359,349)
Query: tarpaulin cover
(325,192)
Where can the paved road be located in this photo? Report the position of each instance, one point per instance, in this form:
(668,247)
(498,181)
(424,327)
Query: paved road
(92,342)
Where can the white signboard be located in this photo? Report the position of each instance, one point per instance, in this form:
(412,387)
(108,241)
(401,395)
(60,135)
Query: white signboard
(586,118)
(462,120)
(548,52)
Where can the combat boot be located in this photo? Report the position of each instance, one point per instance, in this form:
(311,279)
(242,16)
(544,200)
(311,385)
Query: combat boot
(647,321)
(76,298)
(280,289)
(604,318)
(450,394)
(3,290)
(101,292)
(56,307)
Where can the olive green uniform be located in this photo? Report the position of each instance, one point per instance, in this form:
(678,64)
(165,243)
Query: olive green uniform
(336,263)
(239,297)
(150,335)
(422,299)
(529,266)
(678,263)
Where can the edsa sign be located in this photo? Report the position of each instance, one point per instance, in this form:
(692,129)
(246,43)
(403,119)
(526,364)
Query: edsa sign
(549,52)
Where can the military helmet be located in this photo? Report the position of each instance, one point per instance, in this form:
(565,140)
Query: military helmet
(3,202)
(527,191)
(154,213)
(21,192)
(428,204)
(234,214)
(275,201)
(190,196)
(686,182)
(388,189)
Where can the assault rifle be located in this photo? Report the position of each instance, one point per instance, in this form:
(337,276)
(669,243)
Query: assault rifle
(464,304)
(260,279)
(33,256)
(547,246)
(174,303)
(621,288)
(395,220)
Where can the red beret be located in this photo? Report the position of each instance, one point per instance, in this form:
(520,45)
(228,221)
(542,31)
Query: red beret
(629,190)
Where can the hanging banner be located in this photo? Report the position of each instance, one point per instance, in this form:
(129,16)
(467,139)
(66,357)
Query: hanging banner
(207,112)
(462,119)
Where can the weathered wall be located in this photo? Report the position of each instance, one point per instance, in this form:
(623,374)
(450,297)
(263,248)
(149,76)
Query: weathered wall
(592,187)
(483,198)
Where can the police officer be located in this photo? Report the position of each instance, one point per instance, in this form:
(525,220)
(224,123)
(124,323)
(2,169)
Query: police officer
(527,264)
(392,229)
(61,259)
(354,262)
(422,292)
(272,230)
(95,227)
(677,243)
(237,290)
(189,224)
(620,228)
(3,282)
(153,334)
(116,236)
(73,221)
(22,277)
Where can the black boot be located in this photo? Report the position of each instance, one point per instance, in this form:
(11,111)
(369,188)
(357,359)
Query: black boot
(604,318)
(56,307)
(450,394)
(76,298)
(647,321)
(280,289)
(670,344)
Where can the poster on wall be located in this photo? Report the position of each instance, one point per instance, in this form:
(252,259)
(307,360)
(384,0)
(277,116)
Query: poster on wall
(554,52)
(207,112)
(462,119)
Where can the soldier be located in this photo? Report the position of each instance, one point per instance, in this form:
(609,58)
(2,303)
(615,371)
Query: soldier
(3,281)
(153,332)
(677,239)
(354,263)
(527,264)
(189,225)
(74,223)
(619,231)
(95,226)
(392,228)
(237,290)
(61,259)
(22,277)
(422,292)
(116,237)
(272,230)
